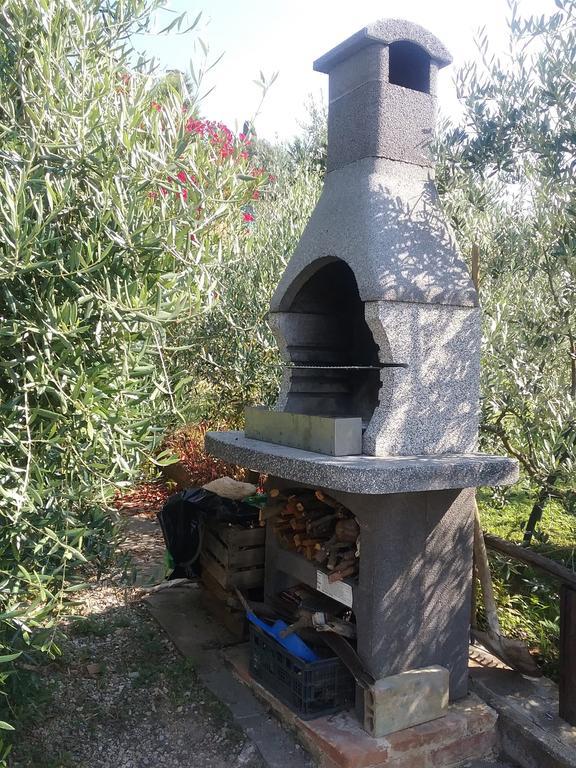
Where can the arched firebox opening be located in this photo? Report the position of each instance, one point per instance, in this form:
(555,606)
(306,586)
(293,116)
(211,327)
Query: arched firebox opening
(335,368)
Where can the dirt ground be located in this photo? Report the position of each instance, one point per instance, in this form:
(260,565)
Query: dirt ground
(119,695)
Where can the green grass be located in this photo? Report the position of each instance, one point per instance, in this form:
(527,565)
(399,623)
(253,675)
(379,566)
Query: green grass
(528,600)
(556,535)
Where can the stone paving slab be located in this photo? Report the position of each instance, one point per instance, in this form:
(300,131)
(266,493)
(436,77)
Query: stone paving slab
(529,727)
(199,638)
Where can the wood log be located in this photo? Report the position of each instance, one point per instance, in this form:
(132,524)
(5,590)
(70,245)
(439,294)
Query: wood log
(312,515)
(311,542)
(293,508)
(325,499)
(348,554)
(338,575)
(332,559)
(325,520)
(347,530)
(321,556)
(337,546)
(297,525)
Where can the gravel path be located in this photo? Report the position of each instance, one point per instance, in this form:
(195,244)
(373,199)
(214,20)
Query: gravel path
(120,696)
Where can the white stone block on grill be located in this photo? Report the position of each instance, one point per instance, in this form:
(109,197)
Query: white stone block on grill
(322,434)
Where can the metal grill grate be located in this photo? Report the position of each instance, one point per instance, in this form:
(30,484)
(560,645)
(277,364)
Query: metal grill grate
(346,367)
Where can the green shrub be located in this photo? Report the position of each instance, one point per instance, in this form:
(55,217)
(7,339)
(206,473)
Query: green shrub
(115,197)
(229,350)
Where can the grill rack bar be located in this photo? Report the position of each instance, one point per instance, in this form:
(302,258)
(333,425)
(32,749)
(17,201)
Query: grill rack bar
(345,367)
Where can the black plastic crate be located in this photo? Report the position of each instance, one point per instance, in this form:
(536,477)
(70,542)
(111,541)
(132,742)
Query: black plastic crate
(311,689)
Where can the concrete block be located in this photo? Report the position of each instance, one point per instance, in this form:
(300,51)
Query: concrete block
(369,64)
(379,119)
(409,698)
(334,436)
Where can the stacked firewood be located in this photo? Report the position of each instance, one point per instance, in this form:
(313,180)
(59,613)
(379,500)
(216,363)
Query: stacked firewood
(318,527)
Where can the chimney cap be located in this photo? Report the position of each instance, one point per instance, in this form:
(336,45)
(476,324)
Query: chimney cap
(385,31)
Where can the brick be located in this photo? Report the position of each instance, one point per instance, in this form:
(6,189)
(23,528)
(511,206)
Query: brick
(478,745)
(414,760)
(436,733)
(479,717)
(342,740)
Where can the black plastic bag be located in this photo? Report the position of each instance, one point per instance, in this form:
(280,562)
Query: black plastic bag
(182,521)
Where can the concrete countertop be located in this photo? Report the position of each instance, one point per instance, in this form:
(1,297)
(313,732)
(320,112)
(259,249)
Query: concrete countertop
(364,474)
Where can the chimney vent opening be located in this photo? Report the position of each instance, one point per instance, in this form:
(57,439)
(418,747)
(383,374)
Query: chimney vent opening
(409,66)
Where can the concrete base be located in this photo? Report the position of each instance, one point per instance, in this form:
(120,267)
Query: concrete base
(467,732)
(529,729)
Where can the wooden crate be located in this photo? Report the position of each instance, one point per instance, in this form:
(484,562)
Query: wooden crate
(234,556)
(224,607)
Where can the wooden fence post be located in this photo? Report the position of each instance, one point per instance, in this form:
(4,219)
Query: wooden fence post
(567,688)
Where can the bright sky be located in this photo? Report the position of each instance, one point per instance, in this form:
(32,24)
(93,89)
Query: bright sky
(285,36)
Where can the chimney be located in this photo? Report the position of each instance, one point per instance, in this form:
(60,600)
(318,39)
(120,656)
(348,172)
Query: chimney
(382,93)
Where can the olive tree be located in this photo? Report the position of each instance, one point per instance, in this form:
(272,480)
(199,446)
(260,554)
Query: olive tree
(115,196)
(507,178)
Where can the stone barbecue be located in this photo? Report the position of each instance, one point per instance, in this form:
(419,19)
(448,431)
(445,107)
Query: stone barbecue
(376,317)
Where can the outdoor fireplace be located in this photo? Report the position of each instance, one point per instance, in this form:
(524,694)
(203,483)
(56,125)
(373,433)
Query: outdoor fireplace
(376,285)
(376,317)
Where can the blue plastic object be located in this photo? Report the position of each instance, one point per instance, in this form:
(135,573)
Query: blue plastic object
(294,644)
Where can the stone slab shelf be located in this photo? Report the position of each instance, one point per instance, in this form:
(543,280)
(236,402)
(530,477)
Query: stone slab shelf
(364,474)
(308,573)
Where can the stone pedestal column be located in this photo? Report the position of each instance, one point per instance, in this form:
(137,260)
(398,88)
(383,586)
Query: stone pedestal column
(412,604)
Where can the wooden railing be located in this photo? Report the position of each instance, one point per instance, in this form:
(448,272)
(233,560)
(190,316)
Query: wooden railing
(567,579)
